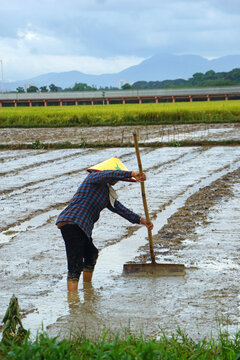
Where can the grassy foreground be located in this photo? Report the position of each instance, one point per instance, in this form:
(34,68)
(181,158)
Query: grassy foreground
(115,115)
(129,347)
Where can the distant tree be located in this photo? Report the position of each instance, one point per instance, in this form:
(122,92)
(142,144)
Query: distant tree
(140,85)
(82,87)
(197,79)
(210,75)
(43,89)
(108,88)
(234,75)
(126,86)
(159,84)
(220,82)
(210,78)
(198,75)
(20,89)
(32,89)
(53,88)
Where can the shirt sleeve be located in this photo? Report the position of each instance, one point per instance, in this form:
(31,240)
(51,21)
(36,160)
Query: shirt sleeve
(121,210)
(105,176)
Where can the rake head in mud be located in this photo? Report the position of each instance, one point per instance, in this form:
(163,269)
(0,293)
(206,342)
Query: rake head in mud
(154,269)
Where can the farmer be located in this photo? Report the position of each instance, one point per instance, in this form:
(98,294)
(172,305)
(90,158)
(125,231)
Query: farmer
(77,220)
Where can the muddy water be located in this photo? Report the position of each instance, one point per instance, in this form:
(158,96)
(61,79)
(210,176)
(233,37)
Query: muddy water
(192,189)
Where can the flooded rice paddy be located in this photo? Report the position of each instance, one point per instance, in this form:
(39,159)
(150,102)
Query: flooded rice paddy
(194,201)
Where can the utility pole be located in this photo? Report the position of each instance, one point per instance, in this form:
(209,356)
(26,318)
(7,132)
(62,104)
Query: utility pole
(2,73)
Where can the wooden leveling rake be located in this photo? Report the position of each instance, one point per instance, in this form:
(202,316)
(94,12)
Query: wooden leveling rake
(152,268)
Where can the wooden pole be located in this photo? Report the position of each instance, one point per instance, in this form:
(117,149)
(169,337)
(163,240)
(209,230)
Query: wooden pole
(144,199)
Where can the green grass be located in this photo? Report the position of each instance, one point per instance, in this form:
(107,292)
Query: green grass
(128,347)
(115,115)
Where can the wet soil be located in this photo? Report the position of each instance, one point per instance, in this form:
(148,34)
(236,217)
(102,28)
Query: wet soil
(194,201)
(193,214)
(120,134)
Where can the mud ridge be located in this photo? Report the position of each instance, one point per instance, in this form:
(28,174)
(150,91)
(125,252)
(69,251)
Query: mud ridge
(111,133)
(40,164)
(57,177)
(8,228)
(182,224)
(69,173)
(12,156)
(33,183)
(192,155)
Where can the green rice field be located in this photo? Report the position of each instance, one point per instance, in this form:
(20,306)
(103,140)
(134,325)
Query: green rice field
(128,114)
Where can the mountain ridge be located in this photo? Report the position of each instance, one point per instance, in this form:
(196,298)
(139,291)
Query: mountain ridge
(158,67)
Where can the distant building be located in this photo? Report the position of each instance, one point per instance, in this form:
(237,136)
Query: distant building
(120,83)
(27,85)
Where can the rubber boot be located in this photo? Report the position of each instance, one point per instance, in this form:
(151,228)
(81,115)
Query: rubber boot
(72,285)
(87,276)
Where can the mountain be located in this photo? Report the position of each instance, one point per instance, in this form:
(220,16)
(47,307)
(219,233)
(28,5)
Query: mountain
(158,67)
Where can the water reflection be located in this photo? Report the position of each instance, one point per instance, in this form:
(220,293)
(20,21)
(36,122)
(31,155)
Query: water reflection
(83,300)
(84,316)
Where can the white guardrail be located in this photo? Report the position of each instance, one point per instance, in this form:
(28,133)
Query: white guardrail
(120,93)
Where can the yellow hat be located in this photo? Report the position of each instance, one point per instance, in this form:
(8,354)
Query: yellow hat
(111,164)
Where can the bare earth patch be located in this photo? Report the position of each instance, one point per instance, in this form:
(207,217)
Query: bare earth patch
(120,134)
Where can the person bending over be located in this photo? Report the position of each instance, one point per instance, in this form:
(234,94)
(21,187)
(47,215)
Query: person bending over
(77,220)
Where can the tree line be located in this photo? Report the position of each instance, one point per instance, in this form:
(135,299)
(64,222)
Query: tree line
(209,79)
(54,88)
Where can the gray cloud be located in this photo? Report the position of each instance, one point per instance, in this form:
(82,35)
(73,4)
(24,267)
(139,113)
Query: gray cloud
(124,28)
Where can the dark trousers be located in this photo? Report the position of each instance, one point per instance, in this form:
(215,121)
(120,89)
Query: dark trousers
(81,253)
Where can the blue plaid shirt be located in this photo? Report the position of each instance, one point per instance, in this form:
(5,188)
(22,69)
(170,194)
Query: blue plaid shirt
(92,197)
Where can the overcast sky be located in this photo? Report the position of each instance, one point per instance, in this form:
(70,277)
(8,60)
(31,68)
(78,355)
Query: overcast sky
(103,36)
